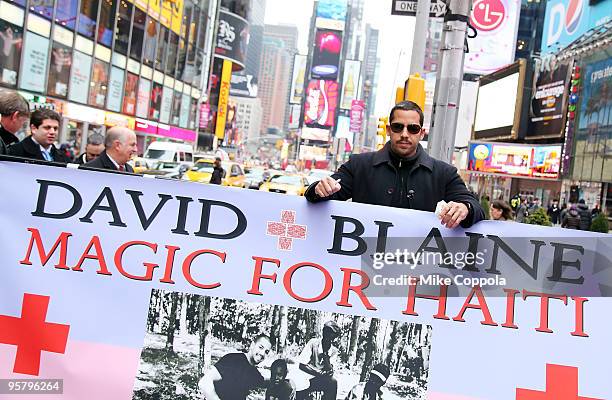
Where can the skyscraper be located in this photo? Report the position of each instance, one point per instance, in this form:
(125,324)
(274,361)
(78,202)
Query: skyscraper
(245,83)
(370,64)
(274,82)
(279,46)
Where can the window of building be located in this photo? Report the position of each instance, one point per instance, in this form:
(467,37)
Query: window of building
(43,8)
(65,13)
(122,33)
(138,27)
(162,45)
(59,70)
(150,39)
(130,94)
(106,25)
(182,54)
(172,54)
(88,17)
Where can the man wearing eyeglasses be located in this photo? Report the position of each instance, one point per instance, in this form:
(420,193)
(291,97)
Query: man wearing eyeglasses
(402,175)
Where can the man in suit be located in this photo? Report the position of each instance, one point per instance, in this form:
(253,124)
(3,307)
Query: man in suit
(44,125)
(14,113)
(119,147)
(95,147)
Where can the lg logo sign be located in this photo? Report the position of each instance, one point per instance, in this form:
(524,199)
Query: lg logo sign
(487,15)
(564,18)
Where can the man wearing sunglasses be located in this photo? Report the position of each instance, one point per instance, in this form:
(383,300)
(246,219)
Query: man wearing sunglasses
(403,175)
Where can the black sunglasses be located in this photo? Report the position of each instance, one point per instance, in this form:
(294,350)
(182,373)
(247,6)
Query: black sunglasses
(397,127)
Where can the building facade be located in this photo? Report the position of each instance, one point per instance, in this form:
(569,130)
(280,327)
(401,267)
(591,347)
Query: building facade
(249,113)
(104,63)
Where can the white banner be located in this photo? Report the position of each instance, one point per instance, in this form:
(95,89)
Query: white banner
(124,287)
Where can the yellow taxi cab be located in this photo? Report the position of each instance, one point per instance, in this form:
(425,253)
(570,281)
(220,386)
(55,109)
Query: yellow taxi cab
(202,171)
(139,164)
(289,184)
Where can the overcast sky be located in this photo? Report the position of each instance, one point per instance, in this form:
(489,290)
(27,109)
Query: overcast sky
(394,46)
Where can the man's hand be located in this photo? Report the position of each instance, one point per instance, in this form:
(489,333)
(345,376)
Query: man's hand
(452,214)
(327,186)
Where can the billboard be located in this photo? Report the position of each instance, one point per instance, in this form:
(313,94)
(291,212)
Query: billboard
(523,161)
(496,23)
(321,103)
(35,56)
(243,84)
(326,58)
(297,79)
(350,83)
(549,96)
(331,14)
(232,39)
(80,77)
(357,109)
(498,106)
(566,21)
(315,134)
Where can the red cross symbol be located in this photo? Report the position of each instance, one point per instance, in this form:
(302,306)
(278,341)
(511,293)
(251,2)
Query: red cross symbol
(286,230)
(561,384)
(32,335)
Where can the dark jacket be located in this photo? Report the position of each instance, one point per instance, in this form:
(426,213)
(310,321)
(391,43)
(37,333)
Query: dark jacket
(6,139)
(217,176)
(585,217)
(81,159)
(553,212)
(372,178)
(571,219)
(104,162)
(28,148)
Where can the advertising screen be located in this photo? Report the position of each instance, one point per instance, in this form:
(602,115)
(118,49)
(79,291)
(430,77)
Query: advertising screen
(11,43)
(549,95)
(115,89)
(99,84)
(36,53)
(142,98)
(537,161)
(315,134)
(331,14)
(321,103)
(232,39)
(350,83)
(496,23)
(130,94)
(499,103)
(326,59)
(80,77)
(297,79)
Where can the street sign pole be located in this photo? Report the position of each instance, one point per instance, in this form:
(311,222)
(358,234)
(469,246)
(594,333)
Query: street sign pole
(441,142)
(417,60)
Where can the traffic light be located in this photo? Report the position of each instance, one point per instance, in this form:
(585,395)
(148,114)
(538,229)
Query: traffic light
(399,95)
(381,132)
(414,90)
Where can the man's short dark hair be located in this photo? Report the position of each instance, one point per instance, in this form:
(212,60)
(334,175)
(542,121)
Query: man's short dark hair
(12,102)
(407,106)
(260,337)
(41,114)
(279,363)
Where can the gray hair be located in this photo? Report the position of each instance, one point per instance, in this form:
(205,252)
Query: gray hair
(116,133)
(95,139)
(12,102)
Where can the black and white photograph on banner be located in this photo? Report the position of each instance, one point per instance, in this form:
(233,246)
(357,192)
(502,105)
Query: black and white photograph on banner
(200,347)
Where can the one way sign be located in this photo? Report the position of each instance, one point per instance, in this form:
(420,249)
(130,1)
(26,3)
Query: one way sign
(437,8)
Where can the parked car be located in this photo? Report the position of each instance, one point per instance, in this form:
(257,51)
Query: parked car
(159,151)
(289,184)
(167,170)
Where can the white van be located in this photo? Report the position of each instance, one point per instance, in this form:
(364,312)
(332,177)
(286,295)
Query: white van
(159,151)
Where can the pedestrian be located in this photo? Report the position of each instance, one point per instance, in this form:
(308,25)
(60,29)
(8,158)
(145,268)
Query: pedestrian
(236,374)
(500,211)
(571,219)
(402,175)
(522,213)
(119,147)
(44,126)
(14,113)
(218,172)
(554,212)
(93,149)
(536,203)
(596,210)
(585,215)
